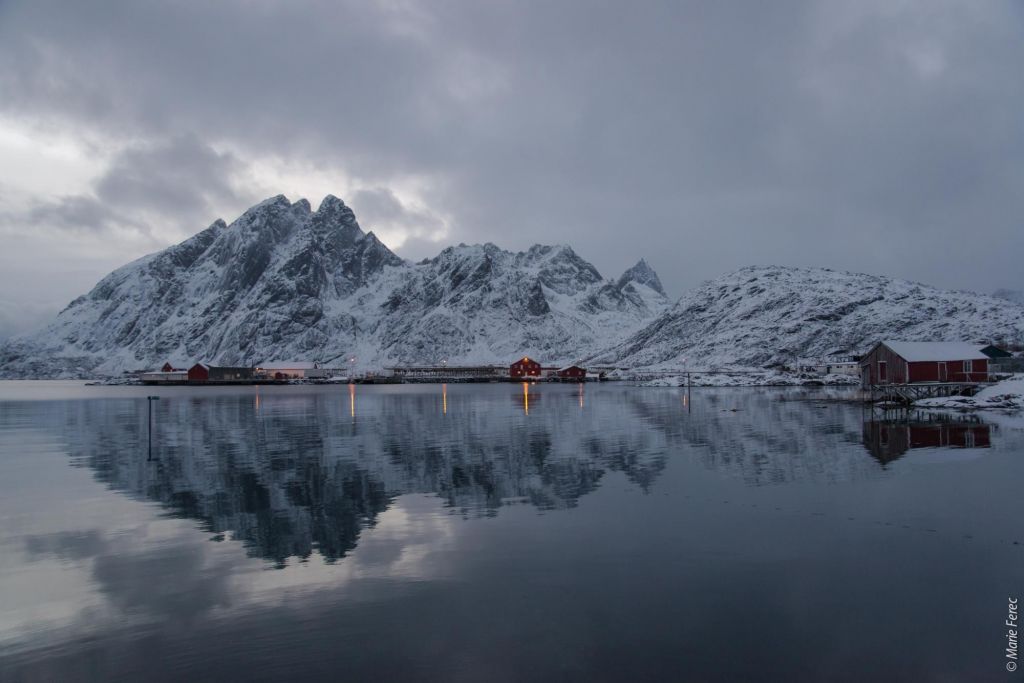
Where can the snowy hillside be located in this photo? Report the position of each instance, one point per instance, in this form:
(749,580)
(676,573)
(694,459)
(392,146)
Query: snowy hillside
(759,316)
(284,282)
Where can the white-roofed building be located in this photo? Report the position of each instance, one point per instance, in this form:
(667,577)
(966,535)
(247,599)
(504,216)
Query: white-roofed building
(902,362)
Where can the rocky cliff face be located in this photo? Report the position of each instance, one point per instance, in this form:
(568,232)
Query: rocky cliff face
(760,316)
(284,282)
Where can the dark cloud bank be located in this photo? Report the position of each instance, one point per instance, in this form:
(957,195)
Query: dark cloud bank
(877,137)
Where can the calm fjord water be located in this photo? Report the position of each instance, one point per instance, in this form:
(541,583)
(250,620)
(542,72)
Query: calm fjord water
(499,533)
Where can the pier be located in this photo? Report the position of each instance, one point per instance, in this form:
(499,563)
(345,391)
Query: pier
(909,393)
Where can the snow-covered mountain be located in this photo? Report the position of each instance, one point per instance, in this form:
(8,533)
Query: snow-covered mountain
(759,316)
(284,282)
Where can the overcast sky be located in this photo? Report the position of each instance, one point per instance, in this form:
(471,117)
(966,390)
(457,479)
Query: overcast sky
(883,137)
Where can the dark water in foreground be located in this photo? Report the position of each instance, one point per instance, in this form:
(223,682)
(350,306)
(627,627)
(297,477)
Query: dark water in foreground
(479,533)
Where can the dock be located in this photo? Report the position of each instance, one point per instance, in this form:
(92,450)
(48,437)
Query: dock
(908,393)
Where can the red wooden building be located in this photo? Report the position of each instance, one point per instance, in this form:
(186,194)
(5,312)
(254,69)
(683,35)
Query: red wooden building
(201,372)
(524,368)
(892,362)
(572,373)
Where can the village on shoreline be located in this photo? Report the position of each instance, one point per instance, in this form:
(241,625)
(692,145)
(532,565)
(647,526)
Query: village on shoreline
(956,375)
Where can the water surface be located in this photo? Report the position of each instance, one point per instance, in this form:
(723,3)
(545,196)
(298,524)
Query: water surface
(500,533)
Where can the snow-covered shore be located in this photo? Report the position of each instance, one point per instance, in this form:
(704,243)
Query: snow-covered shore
(1007,395)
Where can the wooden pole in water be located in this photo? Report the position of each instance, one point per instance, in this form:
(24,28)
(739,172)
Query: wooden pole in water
(149,419)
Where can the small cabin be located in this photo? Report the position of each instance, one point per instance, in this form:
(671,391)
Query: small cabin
(524,368)
(895,362)
(572,373)
(201,372)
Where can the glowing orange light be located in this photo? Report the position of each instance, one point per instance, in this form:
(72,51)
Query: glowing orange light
(444,399)
(581,394)
(526,398)
(352,400)
(257,399)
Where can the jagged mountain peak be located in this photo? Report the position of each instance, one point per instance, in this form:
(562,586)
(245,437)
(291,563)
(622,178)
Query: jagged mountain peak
(282,281)
(277,201)
(335,219)
(643,274)
(333,208)
(550,252)
(331,201)
(559,268)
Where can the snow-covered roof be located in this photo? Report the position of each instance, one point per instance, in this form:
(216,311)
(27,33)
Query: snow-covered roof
(289,365)
(928,351)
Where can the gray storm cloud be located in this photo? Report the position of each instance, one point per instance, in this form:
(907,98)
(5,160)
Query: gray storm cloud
(878,137)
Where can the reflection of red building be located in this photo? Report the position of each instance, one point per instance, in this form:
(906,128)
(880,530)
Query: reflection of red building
(527,367)
(572,373)
(889,440)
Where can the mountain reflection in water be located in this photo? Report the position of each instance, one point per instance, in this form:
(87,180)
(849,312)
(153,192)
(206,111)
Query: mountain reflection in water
(499,532)
(290,474)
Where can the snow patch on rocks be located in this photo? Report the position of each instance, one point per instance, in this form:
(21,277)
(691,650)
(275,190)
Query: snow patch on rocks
(1007,396)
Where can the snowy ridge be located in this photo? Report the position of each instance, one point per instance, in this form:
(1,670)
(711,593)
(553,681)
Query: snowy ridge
(765,315)
(283,282)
